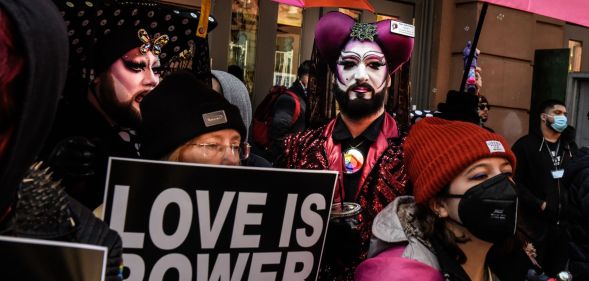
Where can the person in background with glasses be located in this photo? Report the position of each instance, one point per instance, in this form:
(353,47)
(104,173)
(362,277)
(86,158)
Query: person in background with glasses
(186,121)
(483,110)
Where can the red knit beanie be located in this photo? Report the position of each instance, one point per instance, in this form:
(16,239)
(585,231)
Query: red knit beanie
(437,150)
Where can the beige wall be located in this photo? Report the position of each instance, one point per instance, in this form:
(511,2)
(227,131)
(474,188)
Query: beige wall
(442,57)
(507,42)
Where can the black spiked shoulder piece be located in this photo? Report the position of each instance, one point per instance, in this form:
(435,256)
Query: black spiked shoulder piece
(42,209)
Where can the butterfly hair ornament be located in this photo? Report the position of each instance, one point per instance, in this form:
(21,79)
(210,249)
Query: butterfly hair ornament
(154,45)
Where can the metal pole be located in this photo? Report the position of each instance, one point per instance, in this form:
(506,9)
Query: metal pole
(473,48)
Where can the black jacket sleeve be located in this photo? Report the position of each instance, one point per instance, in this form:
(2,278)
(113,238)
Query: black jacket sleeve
(91,230)
(522,176)
(578,213)
(282,120)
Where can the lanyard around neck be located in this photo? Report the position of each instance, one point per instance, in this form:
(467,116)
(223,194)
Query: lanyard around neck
(554,154)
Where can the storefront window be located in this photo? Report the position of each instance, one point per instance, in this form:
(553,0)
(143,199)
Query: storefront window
(288,44)
(242,48)
(575,55)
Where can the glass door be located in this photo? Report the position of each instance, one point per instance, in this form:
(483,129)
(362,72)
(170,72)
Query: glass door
(288,45)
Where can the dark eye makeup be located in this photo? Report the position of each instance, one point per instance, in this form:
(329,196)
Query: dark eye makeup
(347,64)
(478,176)
(134,66)
(140,66)
(376,65)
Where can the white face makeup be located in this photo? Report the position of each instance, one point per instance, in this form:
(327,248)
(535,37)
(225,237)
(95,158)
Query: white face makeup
(134,75)
(125,83)
(361,64)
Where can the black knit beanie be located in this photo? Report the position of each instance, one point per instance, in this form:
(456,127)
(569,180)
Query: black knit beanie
(181,108)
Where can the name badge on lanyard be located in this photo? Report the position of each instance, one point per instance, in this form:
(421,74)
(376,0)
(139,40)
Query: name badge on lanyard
(556,160)
(557,174)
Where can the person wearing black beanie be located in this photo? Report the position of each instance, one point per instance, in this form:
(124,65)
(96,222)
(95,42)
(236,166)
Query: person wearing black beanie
(186,121)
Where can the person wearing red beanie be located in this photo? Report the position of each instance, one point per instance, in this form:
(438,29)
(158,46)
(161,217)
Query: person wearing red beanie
(464,203)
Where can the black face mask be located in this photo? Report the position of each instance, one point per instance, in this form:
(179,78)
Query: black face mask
(489,210)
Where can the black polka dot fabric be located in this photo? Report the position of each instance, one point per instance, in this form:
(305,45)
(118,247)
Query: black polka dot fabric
(88,20)
(417,115)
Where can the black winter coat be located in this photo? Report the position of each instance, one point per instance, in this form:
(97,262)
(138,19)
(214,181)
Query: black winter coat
(576,180)
(77,118)
(535,183)
(44,211)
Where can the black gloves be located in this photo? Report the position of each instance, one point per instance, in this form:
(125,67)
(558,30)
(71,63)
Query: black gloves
(80,165)
(73,157)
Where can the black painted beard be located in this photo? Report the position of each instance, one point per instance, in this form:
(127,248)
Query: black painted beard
(123,113)
(359,108)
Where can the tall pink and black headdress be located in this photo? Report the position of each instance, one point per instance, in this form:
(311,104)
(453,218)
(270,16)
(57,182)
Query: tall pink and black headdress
(335,29)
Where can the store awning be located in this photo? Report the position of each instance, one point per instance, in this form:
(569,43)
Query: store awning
(574,11)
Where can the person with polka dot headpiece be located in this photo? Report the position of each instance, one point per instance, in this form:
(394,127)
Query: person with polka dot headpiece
(118,52)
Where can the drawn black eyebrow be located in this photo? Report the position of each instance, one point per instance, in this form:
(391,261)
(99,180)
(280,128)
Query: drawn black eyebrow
(130,63)
(133,64)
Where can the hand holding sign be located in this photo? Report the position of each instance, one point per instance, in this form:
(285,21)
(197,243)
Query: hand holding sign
(225,223)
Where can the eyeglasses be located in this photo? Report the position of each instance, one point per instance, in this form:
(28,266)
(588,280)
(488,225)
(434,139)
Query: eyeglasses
(216,150)
(482,106)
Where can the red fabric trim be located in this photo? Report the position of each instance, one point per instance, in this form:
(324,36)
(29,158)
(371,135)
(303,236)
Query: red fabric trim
(6,213)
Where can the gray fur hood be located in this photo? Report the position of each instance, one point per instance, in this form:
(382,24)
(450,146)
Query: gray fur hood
(395,224)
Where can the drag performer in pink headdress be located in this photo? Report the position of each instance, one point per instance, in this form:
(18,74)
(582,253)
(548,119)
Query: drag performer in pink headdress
(363,142)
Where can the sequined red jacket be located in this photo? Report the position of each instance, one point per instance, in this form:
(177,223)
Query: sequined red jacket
(382,180)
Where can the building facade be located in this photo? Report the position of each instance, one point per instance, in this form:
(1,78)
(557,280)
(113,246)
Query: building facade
(524,57)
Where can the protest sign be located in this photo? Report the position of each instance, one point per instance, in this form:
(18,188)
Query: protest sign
(182,221)
(43,260)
